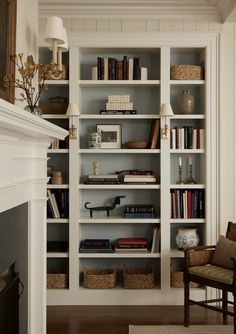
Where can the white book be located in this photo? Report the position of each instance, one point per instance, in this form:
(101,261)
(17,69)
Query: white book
(94,73)
(181,138)
(144,73)
(105,68)
(119,98)
(131,68)
(173,139)
(106,176)
(194,139)
(202,138)
(53,201)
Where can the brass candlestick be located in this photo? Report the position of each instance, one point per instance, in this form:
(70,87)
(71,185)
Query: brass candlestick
(190,179)
(180,181)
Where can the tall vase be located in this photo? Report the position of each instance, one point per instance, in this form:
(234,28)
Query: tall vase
(186,102)
(187,237)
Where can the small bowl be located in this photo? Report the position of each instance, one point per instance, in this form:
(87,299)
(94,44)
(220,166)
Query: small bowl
(136,144)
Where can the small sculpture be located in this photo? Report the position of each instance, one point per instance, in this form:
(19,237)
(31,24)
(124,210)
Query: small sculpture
(106,208)
(96,169)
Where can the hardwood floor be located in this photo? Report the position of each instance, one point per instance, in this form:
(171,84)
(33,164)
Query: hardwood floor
(115,319)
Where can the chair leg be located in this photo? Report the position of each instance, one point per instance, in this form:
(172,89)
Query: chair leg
(234,297)
(224,306)
(186,301)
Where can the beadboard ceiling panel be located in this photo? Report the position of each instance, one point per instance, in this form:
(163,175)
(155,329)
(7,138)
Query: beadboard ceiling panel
(216,10)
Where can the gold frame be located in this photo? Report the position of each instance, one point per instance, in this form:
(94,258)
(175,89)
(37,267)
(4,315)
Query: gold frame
(8,34)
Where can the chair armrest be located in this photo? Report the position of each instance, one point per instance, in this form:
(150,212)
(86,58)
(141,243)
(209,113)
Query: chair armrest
(198,256)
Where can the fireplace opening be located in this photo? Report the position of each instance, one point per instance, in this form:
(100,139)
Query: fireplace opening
(14,267)
(10,291)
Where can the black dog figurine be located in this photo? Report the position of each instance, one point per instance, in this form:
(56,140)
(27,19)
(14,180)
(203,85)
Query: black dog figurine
(106,208)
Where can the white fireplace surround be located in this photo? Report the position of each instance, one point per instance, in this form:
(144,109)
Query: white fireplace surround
(24,139)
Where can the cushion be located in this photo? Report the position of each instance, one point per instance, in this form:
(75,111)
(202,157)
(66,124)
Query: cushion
(225,249)
(214,273)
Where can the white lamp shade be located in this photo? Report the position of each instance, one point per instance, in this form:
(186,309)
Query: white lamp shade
(166,110)
(54,30)
(72,110)
(64,47)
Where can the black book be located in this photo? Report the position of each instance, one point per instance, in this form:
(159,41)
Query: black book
(137,69)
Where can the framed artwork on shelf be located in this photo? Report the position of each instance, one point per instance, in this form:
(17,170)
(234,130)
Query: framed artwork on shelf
(110,135)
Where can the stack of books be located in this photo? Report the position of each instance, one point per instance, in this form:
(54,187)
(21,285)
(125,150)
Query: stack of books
(118,105)
(102,179)
(140,211)
(131,245)
(95,246)
(133,178)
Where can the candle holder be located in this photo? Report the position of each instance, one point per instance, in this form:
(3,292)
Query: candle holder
(180,181)
(190,179)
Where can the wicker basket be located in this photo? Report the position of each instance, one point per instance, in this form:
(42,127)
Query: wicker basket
(138,278)
(177,279)
(57,279)
(186,72)
(99,278)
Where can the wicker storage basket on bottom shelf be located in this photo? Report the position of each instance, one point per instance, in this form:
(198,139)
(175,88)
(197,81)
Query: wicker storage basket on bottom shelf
(177,279)
(99,278)
(138,278)
(57,279)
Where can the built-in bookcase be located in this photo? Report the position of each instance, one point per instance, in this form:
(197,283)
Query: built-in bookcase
(90,96)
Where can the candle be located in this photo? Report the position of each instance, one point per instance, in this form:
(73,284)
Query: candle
(180,161)
(190,161)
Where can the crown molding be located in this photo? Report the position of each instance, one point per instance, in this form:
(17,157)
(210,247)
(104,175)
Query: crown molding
(168,9)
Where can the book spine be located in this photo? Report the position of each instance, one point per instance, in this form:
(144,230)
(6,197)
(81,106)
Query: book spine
(137,69)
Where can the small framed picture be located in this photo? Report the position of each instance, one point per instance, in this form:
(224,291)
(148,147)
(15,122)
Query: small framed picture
(110,135)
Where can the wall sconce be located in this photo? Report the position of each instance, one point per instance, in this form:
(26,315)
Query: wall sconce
(54,34)
(166,111)
(72,112)
(62,48)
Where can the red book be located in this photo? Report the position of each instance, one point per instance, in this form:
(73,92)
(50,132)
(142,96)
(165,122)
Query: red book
(140,241)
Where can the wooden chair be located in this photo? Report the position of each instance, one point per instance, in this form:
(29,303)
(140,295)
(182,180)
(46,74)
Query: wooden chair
(215,267)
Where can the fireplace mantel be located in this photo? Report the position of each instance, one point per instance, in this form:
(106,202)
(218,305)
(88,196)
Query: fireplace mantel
(24,139)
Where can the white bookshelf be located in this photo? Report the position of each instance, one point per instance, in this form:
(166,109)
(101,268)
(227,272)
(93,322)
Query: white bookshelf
(90,96)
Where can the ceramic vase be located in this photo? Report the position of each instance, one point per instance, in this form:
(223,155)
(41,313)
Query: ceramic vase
(187,237)
(34,110)
(94,140)
(186,102)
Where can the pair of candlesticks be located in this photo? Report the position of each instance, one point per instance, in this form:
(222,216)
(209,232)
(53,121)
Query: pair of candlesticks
(190,179)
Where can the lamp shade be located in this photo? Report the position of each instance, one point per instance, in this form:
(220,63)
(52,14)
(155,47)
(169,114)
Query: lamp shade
(166,110)
(72,110)
(54,30)
(64,47)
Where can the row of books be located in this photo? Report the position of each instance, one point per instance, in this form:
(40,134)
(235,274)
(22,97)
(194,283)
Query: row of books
(156,239)
(114,69)
(131,245)
(187,203)
(187,137)
(102,179)
(115,179)
(60,144)
(58,203)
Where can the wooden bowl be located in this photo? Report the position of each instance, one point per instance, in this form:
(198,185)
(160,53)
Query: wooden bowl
(136,144)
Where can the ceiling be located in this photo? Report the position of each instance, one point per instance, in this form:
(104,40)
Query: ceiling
(216,10)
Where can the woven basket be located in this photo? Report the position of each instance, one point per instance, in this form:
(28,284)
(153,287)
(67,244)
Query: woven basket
(177,279)
(57,279)
(99,278)
(138,278)
(186,72)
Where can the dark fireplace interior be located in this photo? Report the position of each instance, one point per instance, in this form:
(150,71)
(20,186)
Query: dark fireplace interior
(14,269)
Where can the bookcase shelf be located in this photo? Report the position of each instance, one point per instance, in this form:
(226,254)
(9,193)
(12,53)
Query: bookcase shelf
(147,96)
